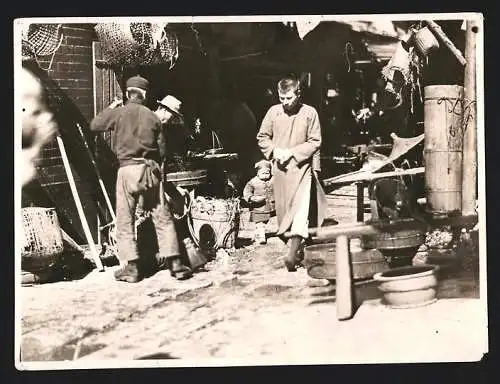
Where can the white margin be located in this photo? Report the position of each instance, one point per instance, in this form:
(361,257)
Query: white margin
(206,19)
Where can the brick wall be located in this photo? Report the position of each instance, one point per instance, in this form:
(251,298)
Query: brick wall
(71,71)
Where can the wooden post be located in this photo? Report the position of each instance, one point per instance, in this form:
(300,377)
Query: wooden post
(360,202)
(469,168)
(79,207)
(343,285)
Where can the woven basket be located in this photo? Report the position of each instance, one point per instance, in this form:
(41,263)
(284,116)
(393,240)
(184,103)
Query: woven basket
(220,216)
(41,40)
(136,44)
(43,241)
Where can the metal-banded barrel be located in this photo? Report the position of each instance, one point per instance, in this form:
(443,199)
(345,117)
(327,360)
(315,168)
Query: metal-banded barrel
(443,145)
(187,178)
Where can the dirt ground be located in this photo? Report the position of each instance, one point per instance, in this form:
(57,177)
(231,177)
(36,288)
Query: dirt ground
(246,309)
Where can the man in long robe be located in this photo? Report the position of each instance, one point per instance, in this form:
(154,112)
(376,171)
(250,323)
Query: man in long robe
(290,136)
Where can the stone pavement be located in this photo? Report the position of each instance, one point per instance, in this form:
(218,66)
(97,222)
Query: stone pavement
(246,309)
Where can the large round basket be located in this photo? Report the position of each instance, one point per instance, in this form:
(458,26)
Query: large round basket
(214,222)
(42,238)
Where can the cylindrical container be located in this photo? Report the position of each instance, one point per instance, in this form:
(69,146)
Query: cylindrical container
(187,178)
(443,145)
(196,258)
(320,261)
(425,41)
(408,287)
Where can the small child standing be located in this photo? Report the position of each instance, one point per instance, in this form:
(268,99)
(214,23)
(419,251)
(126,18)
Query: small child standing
(259,194)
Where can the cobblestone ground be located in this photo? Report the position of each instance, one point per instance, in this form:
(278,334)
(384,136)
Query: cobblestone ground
(244,306)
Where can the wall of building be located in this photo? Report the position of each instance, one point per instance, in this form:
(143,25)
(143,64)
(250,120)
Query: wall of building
(69,74)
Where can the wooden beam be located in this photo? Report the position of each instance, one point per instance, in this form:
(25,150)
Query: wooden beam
(355,230)
(362,176)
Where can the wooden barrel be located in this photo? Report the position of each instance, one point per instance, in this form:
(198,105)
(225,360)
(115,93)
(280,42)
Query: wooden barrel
(319,260)
(187,178)
(395,240)
(443,145)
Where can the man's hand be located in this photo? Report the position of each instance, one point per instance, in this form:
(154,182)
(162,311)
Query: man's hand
(116,103)
(277,153)
(285,156)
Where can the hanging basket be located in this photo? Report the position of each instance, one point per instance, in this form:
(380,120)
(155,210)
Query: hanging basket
(41,40)
(135,44)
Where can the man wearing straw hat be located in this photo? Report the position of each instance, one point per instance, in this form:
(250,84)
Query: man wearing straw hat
(290,136)
(139,147)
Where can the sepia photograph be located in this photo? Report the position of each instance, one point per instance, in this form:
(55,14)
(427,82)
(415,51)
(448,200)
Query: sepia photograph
(198,191)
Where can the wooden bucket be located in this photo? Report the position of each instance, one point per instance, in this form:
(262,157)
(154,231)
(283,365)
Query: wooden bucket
(319,260)
(443,145)
(425,41)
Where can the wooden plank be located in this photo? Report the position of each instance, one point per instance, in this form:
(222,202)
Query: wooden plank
(359,176)
(375,227)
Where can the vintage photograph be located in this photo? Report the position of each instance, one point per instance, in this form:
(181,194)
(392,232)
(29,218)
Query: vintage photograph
(249,190)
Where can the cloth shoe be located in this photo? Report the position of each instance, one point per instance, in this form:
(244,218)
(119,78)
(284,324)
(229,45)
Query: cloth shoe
(130,273)
(179,270)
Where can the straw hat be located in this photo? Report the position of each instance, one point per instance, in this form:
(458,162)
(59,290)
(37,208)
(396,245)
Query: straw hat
(172,104)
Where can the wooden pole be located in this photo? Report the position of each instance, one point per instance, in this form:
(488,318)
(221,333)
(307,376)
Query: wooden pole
(438,32)
(343,280)
(98,173)
(469,168)
(79,207)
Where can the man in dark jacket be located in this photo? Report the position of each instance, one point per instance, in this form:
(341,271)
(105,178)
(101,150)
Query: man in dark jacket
(139,147)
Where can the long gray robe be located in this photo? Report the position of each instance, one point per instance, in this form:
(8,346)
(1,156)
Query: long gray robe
(301,133)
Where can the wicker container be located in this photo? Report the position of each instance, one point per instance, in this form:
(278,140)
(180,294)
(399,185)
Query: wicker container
(43,241)
(214,222)
(319,259)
